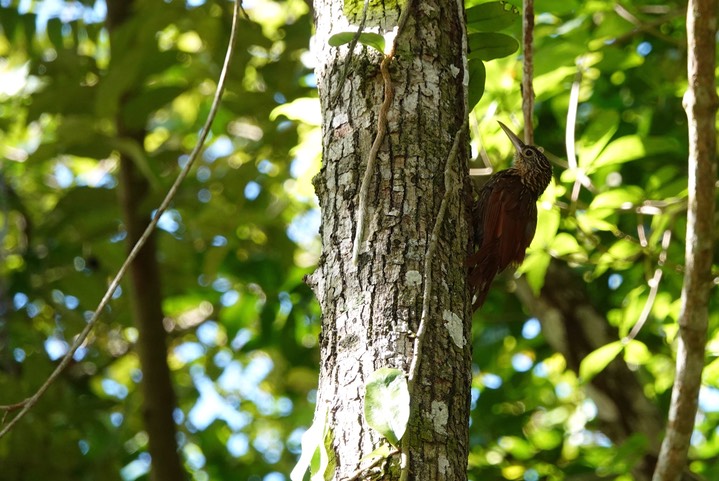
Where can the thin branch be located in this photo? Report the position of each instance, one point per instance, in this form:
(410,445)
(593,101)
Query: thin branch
(372,159)
(528,69)
(648,27)
(379,137)
(580,178)
(653,288)
(700,103)
(28,403)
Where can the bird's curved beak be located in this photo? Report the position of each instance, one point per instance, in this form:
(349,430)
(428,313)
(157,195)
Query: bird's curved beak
(516,141)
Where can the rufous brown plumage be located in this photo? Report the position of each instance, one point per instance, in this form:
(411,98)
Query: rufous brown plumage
(505,215)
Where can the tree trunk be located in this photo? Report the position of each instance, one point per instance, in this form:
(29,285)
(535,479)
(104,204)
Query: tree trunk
(372,308)
(146,297)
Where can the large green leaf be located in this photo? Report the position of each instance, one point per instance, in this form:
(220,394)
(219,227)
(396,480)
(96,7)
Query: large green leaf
(491,17)
(633,147)
(488,46)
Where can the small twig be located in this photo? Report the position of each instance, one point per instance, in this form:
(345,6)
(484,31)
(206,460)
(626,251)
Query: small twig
(581,178)
(449,186)
(653,288)
(28,403)
(528,69)
(569,139)
(372,159)
(379,137)
(648,27)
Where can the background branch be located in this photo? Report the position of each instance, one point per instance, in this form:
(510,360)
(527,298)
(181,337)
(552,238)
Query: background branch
(79,340)
(700,103)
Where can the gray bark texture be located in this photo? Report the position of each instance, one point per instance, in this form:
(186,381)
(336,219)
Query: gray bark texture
(700,104)
(372,309)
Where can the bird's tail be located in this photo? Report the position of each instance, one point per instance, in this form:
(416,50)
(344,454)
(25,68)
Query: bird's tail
(482,270)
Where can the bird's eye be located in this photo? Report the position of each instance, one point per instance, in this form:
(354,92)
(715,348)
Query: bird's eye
(528,153)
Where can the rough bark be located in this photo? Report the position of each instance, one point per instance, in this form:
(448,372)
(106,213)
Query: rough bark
(146,297)
(700,103)
(371,310)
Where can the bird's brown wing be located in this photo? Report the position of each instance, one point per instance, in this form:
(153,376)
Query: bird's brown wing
(506,213)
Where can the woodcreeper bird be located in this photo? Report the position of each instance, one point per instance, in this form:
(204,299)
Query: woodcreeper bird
(505,215)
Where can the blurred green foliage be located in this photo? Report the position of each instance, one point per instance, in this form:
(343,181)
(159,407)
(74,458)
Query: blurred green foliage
(240,236)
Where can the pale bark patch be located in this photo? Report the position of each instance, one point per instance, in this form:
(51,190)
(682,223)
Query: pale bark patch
(455,327)
(413,278)
(440,415)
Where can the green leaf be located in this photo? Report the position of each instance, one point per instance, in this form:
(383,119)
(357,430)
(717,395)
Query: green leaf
(710,375)
(303,109)
(633,147)
(477,79)
(596,136)
(619,198)
(636,352)
(518,447)
(368,39)
(488,46)
(623,250)
(136,112)
(547,225)
(565,244)
(596,219)
(54,33)
(491,17)
(386,404)
(597,360)
(534,268)
(314,454)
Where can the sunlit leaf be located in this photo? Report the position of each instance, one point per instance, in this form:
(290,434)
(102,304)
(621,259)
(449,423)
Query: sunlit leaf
(596,136)
(386,404)
(624,197)
(305,109)
(597,360)
(314,453)
(632,147)
(534,268)
(369,39)
(548,218)
(565,244)
(636,352)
